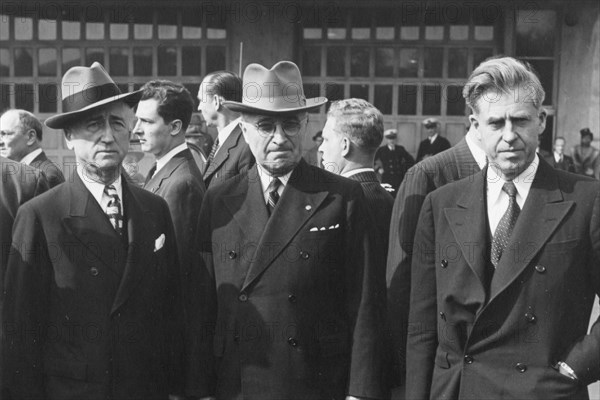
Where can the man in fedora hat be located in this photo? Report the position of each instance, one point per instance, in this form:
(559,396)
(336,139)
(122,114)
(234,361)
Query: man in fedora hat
(434,143)
(92,294)
(290,290)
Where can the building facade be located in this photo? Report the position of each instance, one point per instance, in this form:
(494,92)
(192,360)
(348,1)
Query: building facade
(409,58)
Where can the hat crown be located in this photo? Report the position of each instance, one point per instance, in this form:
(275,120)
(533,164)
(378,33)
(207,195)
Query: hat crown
(79,78)
(277,88)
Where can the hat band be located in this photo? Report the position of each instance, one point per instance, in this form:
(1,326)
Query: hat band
(89,96)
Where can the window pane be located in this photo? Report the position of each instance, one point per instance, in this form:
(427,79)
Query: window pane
(409,32)
(23,62)
(359,92)
(383,98)
(459,32)
(23,28)
(457,63)
(336,33)
(4,62)
(455,103)
(193,89)
(215,25)
(536,32)
(311,61)
(215,58)
(409,63)
(47,62)
(359,61)
(385,22)
(167,24)
(24,96)
(333,92)
(433,62)
(361,24)
(384,61)
(167,60)
(432,100)
(4,97)
(191,24)
(407,99)
(312,90)
(70,58)
(312,33)
(71,30)
(48,97)
(545,71)
(335,61)
(142,61)
(94,30)
(480,55)
(119,31)
(4,25)
(484,20)
(191,56)
(434,32)
(94,55)
(484,33)
(142,26)
(47,29)
(119,60)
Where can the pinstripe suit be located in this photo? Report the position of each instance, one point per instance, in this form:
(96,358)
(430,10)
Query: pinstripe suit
(433,172)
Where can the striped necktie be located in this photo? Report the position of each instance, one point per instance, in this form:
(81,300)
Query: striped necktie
(506,224)
(273,195)
(213,151)
(113,209)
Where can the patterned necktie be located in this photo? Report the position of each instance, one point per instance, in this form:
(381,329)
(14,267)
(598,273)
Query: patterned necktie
(150,173)
(113,209)
(273,195)
(213,151)
(506,224)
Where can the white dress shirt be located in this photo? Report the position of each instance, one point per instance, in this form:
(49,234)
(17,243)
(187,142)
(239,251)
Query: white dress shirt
(31,156)
(225,132)
(97,189)
(266,178)
(167,157)
(478,154)
(497,199)
(432,138)
(348,174)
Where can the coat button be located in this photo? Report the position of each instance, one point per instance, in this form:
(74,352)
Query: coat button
(293,342)
(243,297)
(442,316)
(292,298)
(444,263)
(94,271)
(540,268)
(232,254)
(304,255)
(530,317)
(469,359)
(521,367)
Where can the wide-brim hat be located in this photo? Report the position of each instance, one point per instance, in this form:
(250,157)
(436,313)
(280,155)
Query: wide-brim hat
(84,89)
(273,91)
(390,134)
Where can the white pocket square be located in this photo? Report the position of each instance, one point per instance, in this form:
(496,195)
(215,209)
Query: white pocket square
(159,242)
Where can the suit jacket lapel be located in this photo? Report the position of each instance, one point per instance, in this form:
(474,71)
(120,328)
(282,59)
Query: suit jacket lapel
(468,225)
(542,212)
(223,153)
(165,172)
(289,216)
(140,244)
(89,224)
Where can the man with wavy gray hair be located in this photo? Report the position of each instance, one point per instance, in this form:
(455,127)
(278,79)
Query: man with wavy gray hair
(505,265)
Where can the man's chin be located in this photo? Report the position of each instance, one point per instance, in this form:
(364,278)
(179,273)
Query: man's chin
(280,167)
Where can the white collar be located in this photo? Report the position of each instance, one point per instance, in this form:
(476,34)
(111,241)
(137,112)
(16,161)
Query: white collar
(266,178)
(557,156)
(348,174)
(432,138)
(226,131)
(522,182)
(167,157)
(477,152)
(31,156)
(96,188)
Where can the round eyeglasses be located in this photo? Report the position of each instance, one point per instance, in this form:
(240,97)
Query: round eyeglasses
(290,127)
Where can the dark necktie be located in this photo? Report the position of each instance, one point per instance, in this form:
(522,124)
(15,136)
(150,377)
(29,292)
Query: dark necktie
(150,174)
(113,209)
(213,151)
(273,195)
(506,224)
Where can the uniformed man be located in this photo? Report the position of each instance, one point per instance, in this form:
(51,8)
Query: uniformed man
(392,161)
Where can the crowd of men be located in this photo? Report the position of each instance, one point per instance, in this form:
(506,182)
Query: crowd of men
(250,273)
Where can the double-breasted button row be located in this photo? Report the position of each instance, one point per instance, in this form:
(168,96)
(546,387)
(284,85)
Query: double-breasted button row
(304,255)
(442,315)
(232,254)
(292,342)
(521,367)
(530,317)
(243,297)
(292,298)
(469,359)
(94,271)
(444,263)
(540,269)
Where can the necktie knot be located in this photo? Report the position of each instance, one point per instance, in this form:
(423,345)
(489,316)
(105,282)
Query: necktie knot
(213,151)
(510,189)
(273,194)
(113,208)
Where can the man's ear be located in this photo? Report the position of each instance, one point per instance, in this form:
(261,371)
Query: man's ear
(68,140)
(475,122)
(345,146)
(31,137)
(176,126)
(217,101)
(543,116)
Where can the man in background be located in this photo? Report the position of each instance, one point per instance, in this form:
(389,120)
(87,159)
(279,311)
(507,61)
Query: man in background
(230,154)
(585,156)
(20,140)
(392,161)
(558,159)
(163,115)
(313,156)
(434,143)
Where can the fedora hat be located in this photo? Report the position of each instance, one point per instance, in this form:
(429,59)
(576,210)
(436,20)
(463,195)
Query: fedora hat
(86,88)
(273,91)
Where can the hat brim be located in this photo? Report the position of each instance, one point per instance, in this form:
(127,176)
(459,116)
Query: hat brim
(60,120)
(311,103)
